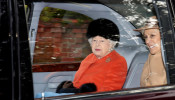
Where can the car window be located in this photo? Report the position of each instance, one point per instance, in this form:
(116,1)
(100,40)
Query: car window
(53,40)
(134,11)
(58,40)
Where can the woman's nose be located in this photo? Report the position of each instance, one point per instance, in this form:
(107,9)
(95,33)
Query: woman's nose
(147,40)
(97,44)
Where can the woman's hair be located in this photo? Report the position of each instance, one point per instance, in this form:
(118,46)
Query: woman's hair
(112,43)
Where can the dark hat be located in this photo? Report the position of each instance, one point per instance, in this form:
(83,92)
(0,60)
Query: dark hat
(151,23)
(104,28)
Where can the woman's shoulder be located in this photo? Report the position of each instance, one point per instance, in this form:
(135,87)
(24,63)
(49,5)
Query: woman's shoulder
(118,58)
(90,58)
(117,62)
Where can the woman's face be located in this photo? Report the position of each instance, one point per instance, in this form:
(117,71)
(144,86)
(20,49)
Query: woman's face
(100,46)
(152,39)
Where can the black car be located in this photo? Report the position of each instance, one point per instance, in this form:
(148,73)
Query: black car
(43,42)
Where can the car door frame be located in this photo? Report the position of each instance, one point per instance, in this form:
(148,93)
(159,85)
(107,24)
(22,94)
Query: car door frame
(167,35)
(156,93)
(21,79)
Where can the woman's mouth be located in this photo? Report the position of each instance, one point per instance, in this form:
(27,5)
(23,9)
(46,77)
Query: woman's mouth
(155,45)
(97,49)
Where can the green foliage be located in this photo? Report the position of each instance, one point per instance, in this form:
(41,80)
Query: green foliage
(49,13)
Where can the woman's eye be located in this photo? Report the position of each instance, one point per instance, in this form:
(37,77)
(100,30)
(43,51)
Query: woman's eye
(152,36)
(94,40)
(144,37)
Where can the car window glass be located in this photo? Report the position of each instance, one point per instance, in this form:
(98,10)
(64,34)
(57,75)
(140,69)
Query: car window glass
(61,37)
(133,10)
(58,40)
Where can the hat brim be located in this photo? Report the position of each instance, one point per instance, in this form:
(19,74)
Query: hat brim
(145,28)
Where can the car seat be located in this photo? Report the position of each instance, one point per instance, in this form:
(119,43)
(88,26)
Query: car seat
(136,57)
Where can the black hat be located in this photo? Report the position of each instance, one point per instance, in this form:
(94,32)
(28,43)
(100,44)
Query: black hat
(104,28)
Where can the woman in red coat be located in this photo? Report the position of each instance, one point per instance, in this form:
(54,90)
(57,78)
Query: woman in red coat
(104,67)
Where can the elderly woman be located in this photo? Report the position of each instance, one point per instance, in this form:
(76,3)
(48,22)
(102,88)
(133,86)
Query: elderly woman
(104,67)
(154,73)
(102,70)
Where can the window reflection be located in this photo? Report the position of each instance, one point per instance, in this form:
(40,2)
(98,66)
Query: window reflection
(61,37)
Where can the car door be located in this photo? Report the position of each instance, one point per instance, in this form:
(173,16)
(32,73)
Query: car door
(163,11)
(58,45)
(15,65)
(16,61)
(49,69)
(168,35)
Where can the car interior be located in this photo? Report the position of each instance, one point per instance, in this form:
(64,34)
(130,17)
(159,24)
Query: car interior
(131,45)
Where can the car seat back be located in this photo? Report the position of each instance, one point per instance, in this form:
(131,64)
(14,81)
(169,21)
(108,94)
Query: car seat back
(135,70)
(129,52)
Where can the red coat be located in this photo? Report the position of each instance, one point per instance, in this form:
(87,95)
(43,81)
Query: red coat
(108,73)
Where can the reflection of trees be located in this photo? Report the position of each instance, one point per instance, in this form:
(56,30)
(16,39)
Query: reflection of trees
(135,11)
(139,10)
(49,13)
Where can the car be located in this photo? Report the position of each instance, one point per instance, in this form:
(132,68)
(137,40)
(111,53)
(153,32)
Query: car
(44,41)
